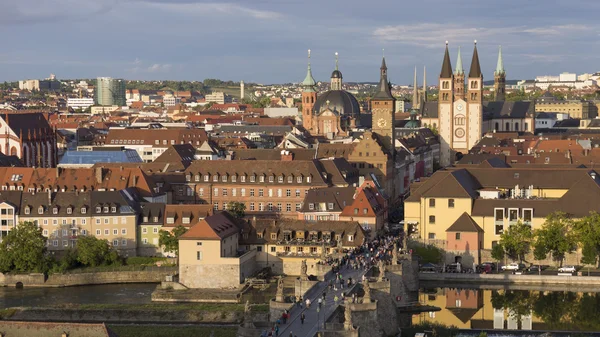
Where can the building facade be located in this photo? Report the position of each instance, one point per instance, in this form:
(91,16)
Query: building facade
(109,91)
(29,137)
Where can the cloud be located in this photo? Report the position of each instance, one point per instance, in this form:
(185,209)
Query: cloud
(199,8)
(431,35)
(36,11)
(138,66)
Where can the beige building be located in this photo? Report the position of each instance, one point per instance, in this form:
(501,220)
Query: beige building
(575,108)
(464,211)
(210,257)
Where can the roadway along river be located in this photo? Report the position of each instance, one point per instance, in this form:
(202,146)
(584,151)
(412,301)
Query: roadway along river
(109,293)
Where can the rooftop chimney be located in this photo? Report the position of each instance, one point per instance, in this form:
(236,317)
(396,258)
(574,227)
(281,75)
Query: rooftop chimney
(286,155)
(49,197)
(99,175)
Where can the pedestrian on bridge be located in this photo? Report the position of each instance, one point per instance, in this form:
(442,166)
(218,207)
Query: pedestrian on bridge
(302,317)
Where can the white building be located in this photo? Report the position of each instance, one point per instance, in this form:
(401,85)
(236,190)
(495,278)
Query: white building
(170,100)
(563,80)
(281,112)
(80,103)
(218,97)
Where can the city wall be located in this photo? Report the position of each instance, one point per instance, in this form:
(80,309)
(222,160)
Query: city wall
(67,280)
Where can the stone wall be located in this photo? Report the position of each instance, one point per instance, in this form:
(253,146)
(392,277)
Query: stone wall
(210,276)
(386,307)
(66,280)
(570,259)
(364,316)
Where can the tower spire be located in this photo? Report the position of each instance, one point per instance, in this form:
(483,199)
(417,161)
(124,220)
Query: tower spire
(309,82)
(384,86)
(475,67)
(459,66)
(446,65)
(336,76)
(500,65)
(415,101)
(336,61)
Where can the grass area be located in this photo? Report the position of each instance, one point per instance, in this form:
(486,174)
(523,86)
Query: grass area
(7,313)
(232,91)
(211,307)
(161,331)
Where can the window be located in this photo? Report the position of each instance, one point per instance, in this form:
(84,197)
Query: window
(499,221)
(271,179)
(279,192)
(113,209)
(155,230)
(457,236)
(115,232)
(527,215)
(199,255)
(298,206)
(270,192)
(26,210)
(261,192)
(83,221)
(55,243)
(115,243)
(83,210)
(83,232)
(123,231)
(145,241)
(45,232)
(251,192)
(290,179)
(288,207)
(243,192)
(98,232)
(224,178)
(124,242)
(224,192)
(233,179)
(432,219)
(350,238)
(106,221)
(513,214)
(330,205)
(431,236)
(431,202)
(280,179)
(216,192)
(98,209)
(261,178)
(273,236)
(106,232)
(233,192)
(450,203)
(252,206)
(65,243)
(69,210)
(311,206)
(297,193)
(270,206)
(299,180)
(252,178)
(273,249)
(279,207)
(243,179)
(144,230)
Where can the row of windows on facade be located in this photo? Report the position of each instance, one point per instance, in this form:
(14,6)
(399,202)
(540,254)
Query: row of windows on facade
(73,222)
(367,154)
(65,243)
(141,142)
(499,216)
(446,96)
(234,191)
(432,236)
(73,232)
(507,126)
(362,165)
(252,178)
(473,84)
(262,207)
(450,203)
(99,209)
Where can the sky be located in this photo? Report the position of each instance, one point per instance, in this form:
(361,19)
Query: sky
(266,41)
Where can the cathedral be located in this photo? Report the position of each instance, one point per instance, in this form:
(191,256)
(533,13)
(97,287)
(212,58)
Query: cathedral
(331,114)
(461,116)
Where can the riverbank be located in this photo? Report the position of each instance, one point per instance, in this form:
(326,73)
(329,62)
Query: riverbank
(151,275)
(172,331)
(152,313)
(506,279)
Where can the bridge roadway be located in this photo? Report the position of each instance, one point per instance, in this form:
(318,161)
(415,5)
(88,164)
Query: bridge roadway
(315,318)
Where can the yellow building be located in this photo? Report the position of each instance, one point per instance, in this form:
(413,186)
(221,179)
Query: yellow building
(464,211)
(575,108)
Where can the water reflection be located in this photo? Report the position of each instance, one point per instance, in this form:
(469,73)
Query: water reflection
(110,293)
(512,309)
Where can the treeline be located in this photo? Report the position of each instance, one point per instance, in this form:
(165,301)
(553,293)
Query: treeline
(558,236)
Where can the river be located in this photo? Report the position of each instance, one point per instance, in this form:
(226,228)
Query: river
(509,309)
(109,293)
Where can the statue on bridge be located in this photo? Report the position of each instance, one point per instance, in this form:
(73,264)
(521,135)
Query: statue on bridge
(303,271)
(381,268)
(348,318)
(367,290)
(279,294)
(395,254)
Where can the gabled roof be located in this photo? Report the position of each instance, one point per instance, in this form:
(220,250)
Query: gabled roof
(215,227)
(464,223)
(194,212)
(180,153)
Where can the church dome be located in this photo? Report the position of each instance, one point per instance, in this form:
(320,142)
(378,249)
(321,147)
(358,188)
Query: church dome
(340,101)
(336,74)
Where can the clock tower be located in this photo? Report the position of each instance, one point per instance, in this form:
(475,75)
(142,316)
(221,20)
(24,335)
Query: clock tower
(382,111)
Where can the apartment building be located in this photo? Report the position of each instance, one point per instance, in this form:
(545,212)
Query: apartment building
(266,187)
(465,210)
(65,216)
(150,143)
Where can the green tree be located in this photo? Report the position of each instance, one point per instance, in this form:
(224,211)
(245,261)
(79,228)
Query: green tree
(237,209)
(498,252)
(587,231)
(94,252)
(555,237)
(170,240)
(516,241)
(24,250)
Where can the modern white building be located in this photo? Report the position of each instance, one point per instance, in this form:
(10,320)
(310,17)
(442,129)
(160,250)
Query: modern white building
(218,97)
(570,80)
(80,103)
(170,100)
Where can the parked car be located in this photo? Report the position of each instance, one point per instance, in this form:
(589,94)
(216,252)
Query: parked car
(535,269)
(487,268)
(513,266)
(567,269)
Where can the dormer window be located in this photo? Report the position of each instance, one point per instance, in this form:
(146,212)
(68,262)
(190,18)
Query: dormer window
(188,177)
(98,209)
(308,179)
(252,178)
(206,177)
(155,219)
(311,206)
(170,220)
(186,220)
(330,205)
(69,210)
(262,179)
(41,210)
(27,210)
(145,219)
(224,178)
(113,209)
(290,179)
(105,209)
(243,179)
(280,179)
(55,210)
(233,179)
(271,179)
(299,180)
(215,178)
(197,177)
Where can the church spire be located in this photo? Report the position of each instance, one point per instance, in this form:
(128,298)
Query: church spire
(500,65)
(415,99)
(336,76)
(384,86)
(475,67)
(309,82)
(446,65)
(459,67)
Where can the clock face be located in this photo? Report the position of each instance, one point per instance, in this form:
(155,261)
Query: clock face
(381,123)
(459,107)
(459,133)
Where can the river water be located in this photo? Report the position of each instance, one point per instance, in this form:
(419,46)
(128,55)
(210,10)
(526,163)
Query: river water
(510,309)
(104,294)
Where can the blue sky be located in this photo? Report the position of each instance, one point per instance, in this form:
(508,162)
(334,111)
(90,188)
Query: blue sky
(265,41)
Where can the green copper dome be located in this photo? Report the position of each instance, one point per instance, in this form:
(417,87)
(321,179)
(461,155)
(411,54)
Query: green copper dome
(309,82)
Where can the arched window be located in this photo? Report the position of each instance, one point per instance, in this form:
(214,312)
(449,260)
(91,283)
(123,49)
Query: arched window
(526,127)
(473,84)
(507,126)
(445,85)
(497,127)
(516,126)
